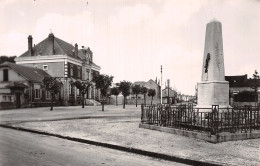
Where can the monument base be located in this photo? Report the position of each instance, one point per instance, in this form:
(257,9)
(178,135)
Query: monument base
(208,108)
(213,93)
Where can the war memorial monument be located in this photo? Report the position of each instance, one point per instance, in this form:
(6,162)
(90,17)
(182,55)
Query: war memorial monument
(212,119)
(213,89)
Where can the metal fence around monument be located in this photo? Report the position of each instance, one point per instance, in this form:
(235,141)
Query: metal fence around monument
(212,121)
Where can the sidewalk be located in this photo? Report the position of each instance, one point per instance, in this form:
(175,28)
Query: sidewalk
(121,127)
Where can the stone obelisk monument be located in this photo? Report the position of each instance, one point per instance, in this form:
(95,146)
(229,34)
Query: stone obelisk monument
(213,89)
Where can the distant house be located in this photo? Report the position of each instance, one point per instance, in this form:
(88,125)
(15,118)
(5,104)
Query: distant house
(61,59)
(240,90)
(151,84)
(21,86)
(169,94)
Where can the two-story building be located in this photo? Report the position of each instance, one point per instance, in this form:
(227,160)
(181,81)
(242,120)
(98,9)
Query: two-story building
(65,61)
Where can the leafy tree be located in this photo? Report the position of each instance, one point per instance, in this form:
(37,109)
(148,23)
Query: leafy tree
(7,59)
(124,87)
(53,85)
(144,91)
(245,96)
(83,88)
(115,91)
(255,84)
(136,89)
(151,93)
(103,82)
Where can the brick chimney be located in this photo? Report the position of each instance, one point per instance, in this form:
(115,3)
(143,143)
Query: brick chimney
(51,41)
(30,43)
(76,50)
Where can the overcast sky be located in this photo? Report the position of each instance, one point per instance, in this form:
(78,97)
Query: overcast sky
(131,39)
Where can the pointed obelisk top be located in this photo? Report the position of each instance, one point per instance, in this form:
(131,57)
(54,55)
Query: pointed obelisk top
(214,20)
(213,59)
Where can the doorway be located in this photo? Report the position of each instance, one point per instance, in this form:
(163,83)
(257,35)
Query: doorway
(18,100)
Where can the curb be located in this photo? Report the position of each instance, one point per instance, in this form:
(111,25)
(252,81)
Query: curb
(118,147)
(71,118)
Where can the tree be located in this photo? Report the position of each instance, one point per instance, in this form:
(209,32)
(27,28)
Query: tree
(151,93)
(255,85)
(7,59)
(124,87)
(115,91)
(53,85)
(136,89)
(83,88)
(103,82)
(144,91)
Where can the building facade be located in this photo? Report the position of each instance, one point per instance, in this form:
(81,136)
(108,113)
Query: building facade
(241,92)
(21,86)
(169,95)
(65,61)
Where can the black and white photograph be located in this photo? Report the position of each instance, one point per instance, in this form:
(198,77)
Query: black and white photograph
(129,82)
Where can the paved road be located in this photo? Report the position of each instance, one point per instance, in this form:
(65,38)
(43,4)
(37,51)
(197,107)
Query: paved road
(22,148)
(71,112)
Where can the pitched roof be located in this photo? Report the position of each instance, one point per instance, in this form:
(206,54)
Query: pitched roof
(237,81)
(29,73)
(82,55)
(152,81)
(60,48)
(142,83)
(16,85)
(240,81)
(45,48)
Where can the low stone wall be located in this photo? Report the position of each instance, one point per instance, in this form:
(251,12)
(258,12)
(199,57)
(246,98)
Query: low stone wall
(112,101)
(7,105)
(204,136)
(141,101)
(44,104)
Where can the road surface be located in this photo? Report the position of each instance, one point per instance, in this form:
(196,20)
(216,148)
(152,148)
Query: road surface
(22,148)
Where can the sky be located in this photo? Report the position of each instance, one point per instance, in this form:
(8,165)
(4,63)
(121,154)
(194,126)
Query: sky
(131,39)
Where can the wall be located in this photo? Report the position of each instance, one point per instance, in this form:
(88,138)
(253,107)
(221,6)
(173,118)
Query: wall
(171,93)
(75,68)
(55,69)
(152,85)
(132,101)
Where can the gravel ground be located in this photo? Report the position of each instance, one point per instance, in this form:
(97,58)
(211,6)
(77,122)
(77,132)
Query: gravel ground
(126,132)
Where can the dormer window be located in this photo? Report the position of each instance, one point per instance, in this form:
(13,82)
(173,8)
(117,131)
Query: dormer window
(88,56)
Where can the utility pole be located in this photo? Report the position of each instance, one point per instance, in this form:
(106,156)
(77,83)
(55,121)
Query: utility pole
(161,84)
(168,82)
